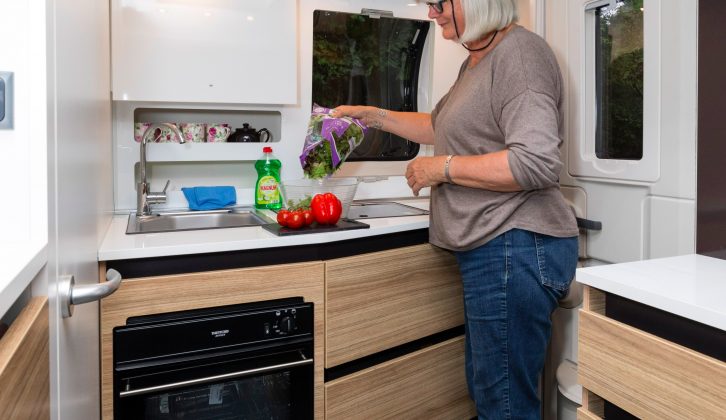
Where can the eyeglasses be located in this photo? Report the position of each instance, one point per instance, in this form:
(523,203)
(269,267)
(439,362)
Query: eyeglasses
(437,5)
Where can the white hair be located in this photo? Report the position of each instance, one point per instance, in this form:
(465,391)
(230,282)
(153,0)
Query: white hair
(484,16)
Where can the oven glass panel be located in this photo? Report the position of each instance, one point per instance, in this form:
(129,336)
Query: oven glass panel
(235,362)
(259,397)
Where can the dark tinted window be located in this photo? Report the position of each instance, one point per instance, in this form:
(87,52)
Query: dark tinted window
(359,60)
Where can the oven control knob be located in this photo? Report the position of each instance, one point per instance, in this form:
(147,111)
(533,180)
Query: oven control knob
(287,324)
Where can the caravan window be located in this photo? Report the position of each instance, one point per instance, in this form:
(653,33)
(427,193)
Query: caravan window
(619,80)
(363,60)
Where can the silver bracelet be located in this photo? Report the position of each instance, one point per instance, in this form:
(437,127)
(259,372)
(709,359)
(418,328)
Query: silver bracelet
(446,169)
(382,112)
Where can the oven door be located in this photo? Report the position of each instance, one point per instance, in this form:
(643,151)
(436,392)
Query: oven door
(271,382)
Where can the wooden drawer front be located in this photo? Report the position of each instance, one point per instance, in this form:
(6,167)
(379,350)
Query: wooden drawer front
(586,415)
(153,295)
(383,299)
(646,375)
(427,384)
(25,365)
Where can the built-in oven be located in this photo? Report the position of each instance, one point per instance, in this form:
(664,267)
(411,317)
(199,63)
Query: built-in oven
(249,361)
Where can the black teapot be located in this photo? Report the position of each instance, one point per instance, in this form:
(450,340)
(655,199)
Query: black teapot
(247,134)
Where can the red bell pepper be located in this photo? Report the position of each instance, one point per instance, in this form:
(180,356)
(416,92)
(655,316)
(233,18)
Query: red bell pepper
(326,208)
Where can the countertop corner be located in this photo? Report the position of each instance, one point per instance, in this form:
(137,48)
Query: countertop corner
(692,286)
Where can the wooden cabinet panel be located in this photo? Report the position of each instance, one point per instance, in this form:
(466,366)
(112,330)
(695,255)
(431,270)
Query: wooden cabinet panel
(153,295)
(427,384)
(383,299)
(586,415)
(646,375)
(24,365)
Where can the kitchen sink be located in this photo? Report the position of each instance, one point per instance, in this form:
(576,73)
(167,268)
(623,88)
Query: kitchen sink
(195,220)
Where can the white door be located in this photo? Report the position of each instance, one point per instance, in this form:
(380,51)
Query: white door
(79,198)
(646,205)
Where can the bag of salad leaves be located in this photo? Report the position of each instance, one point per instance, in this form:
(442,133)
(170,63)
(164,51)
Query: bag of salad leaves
(329,142)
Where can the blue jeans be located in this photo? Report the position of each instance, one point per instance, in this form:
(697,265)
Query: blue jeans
(511,286)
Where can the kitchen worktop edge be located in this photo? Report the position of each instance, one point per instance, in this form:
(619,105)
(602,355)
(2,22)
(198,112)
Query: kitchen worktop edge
(117,245)
(691,286)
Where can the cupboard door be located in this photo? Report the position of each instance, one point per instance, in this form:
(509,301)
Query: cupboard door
(24,365)
(646,375)
(383,299)
(161,294)
(429,383)
(200,51)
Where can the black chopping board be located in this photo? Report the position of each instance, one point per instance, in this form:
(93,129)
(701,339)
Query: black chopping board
(343,224)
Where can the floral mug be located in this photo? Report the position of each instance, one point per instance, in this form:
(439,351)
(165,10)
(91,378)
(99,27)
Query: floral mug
(218,133)
(162,135)
(168,135)
(139,130)
(193,132)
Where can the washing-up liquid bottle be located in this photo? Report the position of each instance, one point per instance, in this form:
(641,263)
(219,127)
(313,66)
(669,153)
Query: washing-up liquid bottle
(267,189)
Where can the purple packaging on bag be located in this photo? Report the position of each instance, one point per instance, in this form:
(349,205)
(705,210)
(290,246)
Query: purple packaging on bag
(329,142)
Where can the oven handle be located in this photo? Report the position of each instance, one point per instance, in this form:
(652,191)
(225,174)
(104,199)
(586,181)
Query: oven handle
(141,391)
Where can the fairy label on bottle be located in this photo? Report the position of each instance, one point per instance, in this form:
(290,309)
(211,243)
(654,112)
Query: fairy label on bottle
(268,191)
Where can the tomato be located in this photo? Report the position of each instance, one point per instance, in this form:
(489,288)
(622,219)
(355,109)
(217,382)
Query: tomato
(296,220)
(326,208)
(282,217)
(308,217)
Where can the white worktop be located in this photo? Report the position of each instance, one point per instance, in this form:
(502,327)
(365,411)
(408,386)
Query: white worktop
(117,245)
(692,286)
(21,262)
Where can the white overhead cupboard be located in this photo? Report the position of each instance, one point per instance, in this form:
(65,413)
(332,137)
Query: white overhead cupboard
(221,51)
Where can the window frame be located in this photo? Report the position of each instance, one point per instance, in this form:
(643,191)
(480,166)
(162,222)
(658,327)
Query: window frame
(583,161)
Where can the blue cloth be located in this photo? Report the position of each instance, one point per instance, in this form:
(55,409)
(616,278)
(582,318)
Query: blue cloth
(210,198)
(511,286)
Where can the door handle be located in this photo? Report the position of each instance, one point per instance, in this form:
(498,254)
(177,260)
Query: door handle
(69,294)
(588,224)
(216,378)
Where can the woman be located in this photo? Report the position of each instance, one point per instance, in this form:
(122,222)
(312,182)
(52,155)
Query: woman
(495,199)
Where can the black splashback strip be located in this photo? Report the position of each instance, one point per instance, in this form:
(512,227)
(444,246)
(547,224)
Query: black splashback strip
(194,263)
(694,335)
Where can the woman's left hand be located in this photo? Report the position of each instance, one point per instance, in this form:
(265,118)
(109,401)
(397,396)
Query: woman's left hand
(425,172)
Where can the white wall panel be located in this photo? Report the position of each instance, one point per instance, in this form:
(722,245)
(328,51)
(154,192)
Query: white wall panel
(679,74)
(23,172)
(221,51)
(670,229)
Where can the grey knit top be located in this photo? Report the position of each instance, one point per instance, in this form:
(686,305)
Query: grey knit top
(512,99)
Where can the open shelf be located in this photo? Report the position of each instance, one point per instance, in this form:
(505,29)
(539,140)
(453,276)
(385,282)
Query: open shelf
(203,152)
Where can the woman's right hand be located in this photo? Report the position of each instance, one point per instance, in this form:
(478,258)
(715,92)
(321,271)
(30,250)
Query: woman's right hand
(414,126)
(369,115)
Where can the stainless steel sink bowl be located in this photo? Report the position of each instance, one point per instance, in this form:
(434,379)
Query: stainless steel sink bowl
(195,220)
